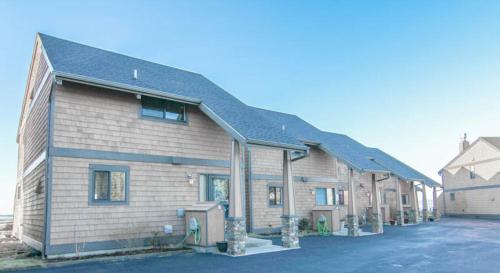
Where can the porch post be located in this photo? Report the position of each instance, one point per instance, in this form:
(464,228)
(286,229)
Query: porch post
(352,216)
(435,210)
(289,221)
(377,222)
(235,223)
(399,204)
(413,203)
(425,209)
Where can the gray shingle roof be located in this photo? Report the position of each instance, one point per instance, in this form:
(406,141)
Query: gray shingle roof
(71,59)
(399,168)
(345,148)
(495,141)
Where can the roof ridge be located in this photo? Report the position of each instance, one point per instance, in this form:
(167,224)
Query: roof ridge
(114,52)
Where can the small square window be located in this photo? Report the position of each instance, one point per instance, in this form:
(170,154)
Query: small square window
(405,199)
(275,196)
(472,172)
(108,184)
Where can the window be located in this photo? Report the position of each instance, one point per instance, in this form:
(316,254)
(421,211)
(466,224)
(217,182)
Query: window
(342,197)
(325,196)
(385,198)
(472,172)
(452,196)
(218,188)
(163,109)
(108,184)
(275,196)
(405,199)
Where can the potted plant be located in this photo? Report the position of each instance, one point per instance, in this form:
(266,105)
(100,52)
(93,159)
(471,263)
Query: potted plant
(222,246)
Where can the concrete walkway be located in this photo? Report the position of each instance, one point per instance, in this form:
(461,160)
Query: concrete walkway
(452,245)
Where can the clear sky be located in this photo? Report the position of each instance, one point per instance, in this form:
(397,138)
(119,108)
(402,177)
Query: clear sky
(408,77)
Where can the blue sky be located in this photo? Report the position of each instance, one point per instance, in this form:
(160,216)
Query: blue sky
(408,77)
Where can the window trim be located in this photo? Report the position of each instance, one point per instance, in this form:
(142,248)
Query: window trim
(184,122)
(107,168)
(269,186)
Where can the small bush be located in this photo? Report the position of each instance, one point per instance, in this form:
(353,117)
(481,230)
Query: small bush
(304,225)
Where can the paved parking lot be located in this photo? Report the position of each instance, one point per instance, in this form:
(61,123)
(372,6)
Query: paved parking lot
(452,245)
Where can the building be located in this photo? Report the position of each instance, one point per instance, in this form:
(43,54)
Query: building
(112,148)
(471,181)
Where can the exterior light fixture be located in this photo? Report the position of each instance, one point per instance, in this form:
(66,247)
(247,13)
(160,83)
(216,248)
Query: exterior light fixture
(190,179)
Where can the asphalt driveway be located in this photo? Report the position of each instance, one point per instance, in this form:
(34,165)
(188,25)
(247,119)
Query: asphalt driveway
(452,245)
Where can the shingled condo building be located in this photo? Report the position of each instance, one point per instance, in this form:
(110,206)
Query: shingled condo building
(114,152)
(367,186)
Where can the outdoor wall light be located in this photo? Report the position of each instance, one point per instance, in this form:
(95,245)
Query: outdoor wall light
(313,192)
(190,178)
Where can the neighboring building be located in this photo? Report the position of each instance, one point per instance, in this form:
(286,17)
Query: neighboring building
(471,181)
(111,147)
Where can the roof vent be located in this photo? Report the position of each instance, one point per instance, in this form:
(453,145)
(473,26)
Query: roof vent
(135,74)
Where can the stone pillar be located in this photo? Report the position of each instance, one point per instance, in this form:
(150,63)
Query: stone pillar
(235,223)
(289,221)
(435,204)
(425,209)
(399,204)
(377,222)
(352,216)
(413,203)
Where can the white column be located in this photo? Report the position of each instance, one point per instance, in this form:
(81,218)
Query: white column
(377,222)
(399,204)
(235,198)
(425,210)
(289,221)
(352,216)
(435,210)
(413,203)
(235,223)
(288,187)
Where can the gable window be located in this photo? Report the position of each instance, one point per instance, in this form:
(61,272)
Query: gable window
(452,196)
(108,184)
(472,172)
(405,199)
(275,196)
(163,109)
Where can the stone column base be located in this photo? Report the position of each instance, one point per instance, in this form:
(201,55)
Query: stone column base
(290,231)
(377,223)
(236,235)
(400,218)
(352,225)
(425,215)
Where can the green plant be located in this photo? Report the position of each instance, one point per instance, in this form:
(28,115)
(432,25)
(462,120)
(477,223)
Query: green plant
(304,225)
